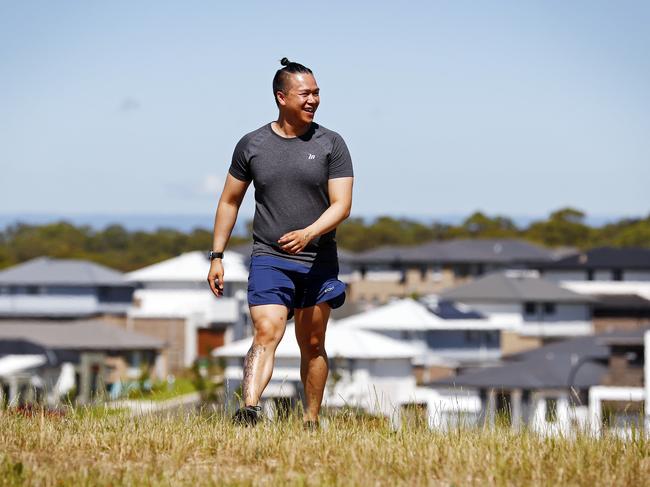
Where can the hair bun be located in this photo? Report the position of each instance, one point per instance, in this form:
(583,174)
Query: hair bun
(284,61)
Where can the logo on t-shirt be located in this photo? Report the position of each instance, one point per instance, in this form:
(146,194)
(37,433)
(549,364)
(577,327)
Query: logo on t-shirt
(311,156)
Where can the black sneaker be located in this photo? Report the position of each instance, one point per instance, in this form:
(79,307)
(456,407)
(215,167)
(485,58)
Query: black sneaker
(247,416)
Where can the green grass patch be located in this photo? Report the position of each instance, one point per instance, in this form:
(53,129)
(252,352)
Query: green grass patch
(161,390)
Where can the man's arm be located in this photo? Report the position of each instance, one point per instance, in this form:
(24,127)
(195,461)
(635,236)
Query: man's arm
(340,194)
(224,221)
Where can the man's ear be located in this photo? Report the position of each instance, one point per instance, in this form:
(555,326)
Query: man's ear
(281,97)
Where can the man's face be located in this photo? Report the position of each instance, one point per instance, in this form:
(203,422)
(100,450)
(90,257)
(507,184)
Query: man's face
(301,98)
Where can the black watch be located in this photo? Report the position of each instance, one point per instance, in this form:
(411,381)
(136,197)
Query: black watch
(215,255)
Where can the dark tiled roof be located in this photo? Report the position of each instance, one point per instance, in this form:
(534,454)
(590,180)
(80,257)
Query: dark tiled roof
(551,366)
(604,258)
(458,251)
(503,288)
(622,301)
(48,271)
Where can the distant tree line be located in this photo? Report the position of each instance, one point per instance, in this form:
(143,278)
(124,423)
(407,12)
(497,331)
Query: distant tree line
(120,249)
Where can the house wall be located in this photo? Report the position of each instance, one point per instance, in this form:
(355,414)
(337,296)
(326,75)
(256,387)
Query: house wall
(636,276)
(63,301)
(598,275)
(426,374)
(625,368)
(67,302)
(559,275)
(605,324)
(379,286)
(563,312)
(171,331)
(512,342)
(503,312)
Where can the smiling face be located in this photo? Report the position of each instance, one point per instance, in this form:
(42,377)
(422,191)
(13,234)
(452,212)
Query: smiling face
(300,98)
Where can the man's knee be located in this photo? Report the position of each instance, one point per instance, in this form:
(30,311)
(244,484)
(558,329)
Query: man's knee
(312,344)
(268,331)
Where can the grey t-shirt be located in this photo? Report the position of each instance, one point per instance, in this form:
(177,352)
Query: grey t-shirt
(290,176)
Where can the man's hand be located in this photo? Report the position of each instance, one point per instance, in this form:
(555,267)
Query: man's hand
(216,274)
(296,241)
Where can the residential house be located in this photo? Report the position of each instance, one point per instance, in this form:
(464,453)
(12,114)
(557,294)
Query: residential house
(447,338)
(588,384)
(600,264)
(46,287)
(546,389)
(535,311)
(174,303)
(390,272)
(54,357)
(618,278)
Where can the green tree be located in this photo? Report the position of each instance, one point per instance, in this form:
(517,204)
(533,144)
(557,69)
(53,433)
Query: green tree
(565,227)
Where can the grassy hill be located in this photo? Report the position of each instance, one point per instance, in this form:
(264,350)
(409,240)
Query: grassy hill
(204,449)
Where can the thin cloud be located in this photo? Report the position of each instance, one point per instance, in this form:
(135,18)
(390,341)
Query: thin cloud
(129,104)
(209,186)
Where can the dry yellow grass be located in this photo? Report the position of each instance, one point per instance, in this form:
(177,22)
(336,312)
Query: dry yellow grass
(201,449)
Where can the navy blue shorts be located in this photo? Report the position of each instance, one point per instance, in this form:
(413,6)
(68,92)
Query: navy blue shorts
(272,280)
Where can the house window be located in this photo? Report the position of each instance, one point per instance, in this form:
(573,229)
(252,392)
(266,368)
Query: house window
(590,275)
(551,410)
(617,274)
(549,308)
(473,336)
(423,273)
(31,289)
(530,308)
(492,337)
(462,270)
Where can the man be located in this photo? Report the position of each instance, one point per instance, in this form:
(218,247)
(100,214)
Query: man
(302,173)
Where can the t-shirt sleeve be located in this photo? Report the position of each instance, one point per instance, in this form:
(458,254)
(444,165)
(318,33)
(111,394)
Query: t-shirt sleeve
(240,165)
(340,164)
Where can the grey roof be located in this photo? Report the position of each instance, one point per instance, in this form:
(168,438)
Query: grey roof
(386,254)
(77,335)
(460,251)
(547,367)
(500,287)
(582,346)
(604,258)
(50,271)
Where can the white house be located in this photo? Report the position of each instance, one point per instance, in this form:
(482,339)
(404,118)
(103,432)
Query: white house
(531,310)
(442,341)
(367,370)
(618,278)
(173,302)
(62,288)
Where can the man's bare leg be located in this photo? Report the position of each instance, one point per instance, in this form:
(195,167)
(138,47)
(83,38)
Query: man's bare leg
(311,324)
(269,321)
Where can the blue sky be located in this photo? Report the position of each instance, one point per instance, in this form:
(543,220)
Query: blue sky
(516,108)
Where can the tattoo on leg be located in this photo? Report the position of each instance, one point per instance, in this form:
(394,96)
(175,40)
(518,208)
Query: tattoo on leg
(251,360)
